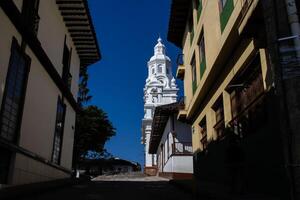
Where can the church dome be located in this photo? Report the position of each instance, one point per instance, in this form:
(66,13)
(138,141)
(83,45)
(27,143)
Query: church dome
(159,51)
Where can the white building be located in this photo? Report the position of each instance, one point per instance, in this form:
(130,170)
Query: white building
(160,89)
(171,141)
(43,46)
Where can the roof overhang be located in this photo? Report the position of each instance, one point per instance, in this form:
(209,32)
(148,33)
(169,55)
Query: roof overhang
(78,20)
(178,19)
(160,119)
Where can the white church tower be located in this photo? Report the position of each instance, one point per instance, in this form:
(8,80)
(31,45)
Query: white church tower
(160,89)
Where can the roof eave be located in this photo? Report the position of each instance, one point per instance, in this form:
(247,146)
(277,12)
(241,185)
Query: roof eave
(77,17)
(160,119)
(178,18)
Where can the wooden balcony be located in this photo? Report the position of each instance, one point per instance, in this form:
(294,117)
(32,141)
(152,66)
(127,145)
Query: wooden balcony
(250,118)
(220,129)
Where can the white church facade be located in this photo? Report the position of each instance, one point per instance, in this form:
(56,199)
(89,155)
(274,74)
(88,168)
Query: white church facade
(160,89)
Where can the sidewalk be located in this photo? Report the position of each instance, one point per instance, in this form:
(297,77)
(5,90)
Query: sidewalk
(213,191)
(133,176)
(13,192)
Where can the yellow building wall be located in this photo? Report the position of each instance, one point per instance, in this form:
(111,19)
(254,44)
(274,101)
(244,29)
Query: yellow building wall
(215,40)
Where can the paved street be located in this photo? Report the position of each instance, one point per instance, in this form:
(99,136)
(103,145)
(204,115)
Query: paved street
(118,187)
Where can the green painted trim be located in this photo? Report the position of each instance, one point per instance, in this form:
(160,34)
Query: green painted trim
(226,13)
(194,84)
(199,10)
(202,68)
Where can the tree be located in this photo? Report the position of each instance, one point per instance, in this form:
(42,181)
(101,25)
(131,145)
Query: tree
(93,130)
(83,94)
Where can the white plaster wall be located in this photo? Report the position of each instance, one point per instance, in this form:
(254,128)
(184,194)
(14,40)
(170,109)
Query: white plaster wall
(148,157)
(51,33)
(168,166)
(182,164)
(68,138)
(74,70)
(39,115)
(179,164)
(27,170)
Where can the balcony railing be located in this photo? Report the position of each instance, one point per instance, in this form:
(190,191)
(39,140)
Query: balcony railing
(203,140)
(220,129)
(182,148)
(250,118)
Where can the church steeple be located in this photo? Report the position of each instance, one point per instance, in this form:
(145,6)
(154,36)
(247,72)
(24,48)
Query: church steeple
(160,89)
(159,48)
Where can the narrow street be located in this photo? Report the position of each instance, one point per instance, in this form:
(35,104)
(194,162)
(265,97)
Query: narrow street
(117,187)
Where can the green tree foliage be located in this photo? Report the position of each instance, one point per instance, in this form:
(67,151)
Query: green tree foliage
(93,130)
(93,127)
(83,94)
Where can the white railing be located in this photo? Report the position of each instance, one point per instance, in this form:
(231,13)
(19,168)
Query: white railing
(183,148)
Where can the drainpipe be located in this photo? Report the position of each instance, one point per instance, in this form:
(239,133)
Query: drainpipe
(293,20)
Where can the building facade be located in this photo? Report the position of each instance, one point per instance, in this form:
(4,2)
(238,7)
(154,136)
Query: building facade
(108,166)
(171,142)
(43,46)
(160,88)
(241,75)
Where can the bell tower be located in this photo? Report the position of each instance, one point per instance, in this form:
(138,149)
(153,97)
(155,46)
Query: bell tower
(160,89)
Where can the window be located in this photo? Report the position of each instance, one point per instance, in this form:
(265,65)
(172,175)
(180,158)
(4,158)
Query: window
(66,76)
(247,88)
(153,70)
(248,103)
(203,132)
(194,74)
(191,28)
(198,7)
(201,45)
(14,93)
(159,69)
(226,8)
(222,4)
(30,15)
(59,129)
(220,123)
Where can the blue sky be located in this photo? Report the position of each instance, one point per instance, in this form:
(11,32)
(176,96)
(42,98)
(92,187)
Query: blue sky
(127,32)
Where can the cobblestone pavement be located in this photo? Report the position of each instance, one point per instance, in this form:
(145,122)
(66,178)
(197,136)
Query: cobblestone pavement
(118,187)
